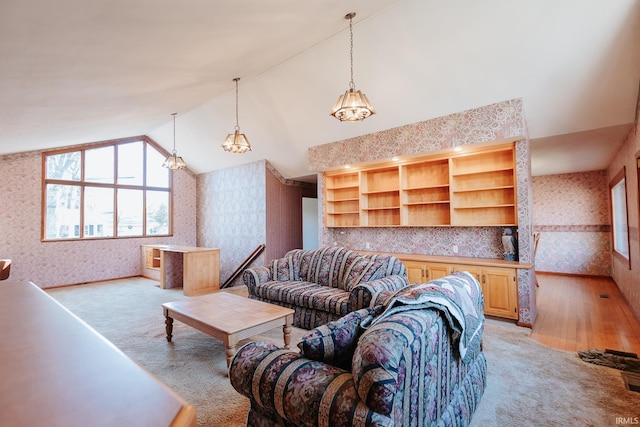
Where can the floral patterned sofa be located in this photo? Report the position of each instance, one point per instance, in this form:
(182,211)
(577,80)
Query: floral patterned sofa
(324,284)
(416,361)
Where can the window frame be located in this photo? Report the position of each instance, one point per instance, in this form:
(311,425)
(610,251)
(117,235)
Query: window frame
(638,187)
(613,183)
(82,184)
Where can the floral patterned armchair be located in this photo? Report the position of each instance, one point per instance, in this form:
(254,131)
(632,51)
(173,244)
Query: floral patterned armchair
(368,368)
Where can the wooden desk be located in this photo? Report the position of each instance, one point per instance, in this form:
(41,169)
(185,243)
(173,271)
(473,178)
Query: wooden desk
(200,268)
(55,370)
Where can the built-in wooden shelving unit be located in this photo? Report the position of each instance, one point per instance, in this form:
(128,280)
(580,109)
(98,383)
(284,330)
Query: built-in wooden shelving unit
(473,188)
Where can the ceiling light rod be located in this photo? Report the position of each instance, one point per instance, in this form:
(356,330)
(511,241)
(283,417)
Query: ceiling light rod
(350,16)
(236,142)
(354,105)
(174,162)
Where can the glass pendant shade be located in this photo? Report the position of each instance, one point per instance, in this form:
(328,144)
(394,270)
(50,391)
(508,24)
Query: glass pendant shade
(236,143)
(353,106)
(174,162)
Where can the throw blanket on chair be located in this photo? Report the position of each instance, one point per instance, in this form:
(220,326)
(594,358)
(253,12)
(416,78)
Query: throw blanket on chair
(459,298)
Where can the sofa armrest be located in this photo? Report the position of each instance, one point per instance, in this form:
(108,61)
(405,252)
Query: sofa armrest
(371,294)
(256,275)
(294,390)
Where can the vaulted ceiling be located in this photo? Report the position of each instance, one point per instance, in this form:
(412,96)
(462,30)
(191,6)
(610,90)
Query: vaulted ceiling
(77,71)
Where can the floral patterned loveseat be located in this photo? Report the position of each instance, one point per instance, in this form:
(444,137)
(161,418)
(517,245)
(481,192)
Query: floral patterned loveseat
(416,361)
(324,284)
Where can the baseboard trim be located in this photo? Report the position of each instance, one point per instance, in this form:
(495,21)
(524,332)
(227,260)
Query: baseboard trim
(93,281)
(524,324)
(556,273)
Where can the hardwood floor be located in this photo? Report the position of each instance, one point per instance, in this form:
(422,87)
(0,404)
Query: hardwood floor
(573,315)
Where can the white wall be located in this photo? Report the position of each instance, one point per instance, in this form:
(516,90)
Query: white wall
(309,223)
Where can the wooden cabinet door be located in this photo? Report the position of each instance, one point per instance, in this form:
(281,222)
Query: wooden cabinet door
(416,271)
(475,271)
(420,272)
(500,290)
(148,257)
(437,271)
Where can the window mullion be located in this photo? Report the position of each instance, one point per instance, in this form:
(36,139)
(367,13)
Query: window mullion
(115,191)
(82,177)
(144,188)
(115,212)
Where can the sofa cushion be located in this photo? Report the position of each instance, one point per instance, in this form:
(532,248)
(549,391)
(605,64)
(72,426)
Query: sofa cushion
(304,294)
(392,265)
(326,266)
(282,269)
(361,270)
(336,341)
(295,259)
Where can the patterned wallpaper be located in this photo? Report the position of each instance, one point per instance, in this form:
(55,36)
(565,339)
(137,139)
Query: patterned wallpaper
(50,264)
(494,122)
(231,212)
(489,123)
(571,213)
(244,206)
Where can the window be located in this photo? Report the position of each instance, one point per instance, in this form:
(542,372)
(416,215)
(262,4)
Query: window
(111,190)
(619,216)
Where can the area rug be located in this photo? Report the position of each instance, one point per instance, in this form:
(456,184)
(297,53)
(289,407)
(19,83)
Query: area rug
(528,384)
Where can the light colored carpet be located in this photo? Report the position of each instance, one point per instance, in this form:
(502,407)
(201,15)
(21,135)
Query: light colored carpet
(528,384)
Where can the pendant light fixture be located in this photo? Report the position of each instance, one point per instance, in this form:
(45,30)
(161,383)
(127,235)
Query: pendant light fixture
(236,142)
(174,162)
(354,105)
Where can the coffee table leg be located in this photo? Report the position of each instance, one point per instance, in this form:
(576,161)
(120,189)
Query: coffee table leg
(230,352)
(286,330)
(168,322)
(230,344)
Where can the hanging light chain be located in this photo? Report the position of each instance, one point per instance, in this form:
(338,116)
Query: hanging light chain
(173,161)
(237,123)
(350,16)
(174,133)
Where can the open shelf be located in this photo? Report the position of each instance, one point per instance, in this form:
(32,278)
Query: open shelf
(488,161)
(380,197)
(381,217)
(342,200)
(344,180)
(152,258)
(485,215)
(483,180)
(432,214)
(426,174)
(426,195)
(484,198)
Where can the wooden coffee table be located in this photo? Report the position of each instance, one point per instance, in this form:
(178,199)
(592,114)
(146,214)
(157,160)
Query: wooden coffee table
(228,318)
